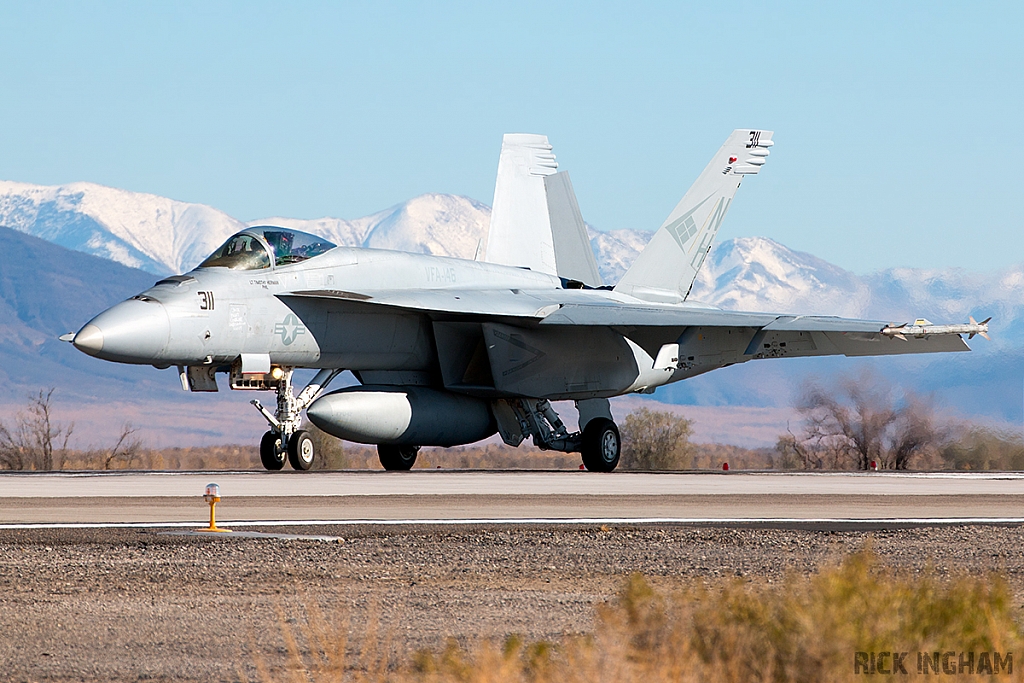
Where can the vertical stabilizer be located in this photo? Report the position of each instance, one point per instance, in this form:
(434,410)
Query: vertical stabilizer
(666,268)
(520,232)
(574,259)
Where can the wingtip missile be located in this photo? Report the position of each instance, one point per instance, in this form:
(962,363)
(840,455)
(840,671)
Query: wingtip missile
(923,327)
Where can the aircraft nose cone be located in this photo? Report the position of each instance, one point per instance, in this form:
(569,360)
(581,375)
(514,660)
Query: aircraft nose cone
(133,331)
(89,340)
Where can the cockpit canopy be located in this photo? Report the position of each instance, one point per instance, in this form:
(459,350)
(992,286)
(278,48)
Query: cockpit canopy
(248,250)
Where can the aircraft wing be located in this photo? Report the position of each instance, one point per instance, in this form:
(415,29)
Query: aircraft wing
(771,334)
(763,334)
(620,315)
(555,307)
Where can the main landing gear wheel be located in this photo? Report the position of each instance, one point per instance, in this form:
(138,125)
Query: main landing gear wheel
(300,450)
(397,457)
(272,451)
(601,445)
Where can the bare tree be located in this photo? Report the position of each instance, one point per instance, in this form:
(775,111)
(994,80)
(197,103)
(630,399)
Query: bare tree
(127,448)
(914,431)
(859,412)
(653,440)
(35,441)
(816,450)
(859,420)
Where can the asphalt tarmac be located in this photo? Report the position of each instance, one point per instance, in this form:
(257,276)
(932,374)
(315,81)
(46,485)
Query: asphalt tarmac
(445,497)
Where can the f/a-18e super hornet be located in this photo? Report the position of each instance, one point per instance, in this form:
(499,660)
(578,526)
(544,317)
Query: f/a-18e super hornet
(449,351)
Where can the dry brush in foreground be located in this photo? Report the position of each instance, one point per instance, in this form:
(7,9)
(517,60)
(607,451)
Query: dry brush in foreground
(828,627)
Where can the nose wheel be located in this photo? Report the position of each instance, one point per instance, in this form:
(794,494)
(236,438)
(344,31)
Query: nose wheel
(300,450)
(272,453)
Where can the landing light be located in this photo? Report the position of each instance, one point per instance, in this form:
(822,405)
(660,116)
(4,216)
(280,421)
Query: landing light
(277,373)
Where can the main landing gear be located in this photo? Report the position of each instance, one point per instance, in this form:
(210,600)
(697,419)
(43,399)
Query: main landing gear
(598,443)
(286,441)
(397,457)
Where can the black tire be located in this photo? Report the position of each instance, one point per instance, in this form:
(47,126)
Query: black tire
(397,457)
(301,452)
(271,452)
(601,445)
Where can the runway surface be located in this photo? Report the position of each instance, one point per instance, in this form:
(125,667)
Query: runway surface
(447,497)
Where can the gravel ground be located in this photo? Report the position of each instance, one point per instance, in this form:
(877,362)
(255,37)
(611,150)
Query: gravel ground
(127,605)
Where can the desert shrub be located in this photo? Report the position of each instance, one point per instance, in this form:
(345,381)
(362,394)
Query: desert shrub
(654,440)
(984,449)
(802,630)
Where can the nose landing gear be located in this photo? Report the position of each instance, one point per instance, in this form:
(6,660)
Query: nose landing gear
(286,441)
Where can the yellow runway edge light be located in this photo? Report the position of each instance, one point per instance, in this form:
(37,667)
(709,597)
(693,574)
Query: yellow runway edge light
(212,496)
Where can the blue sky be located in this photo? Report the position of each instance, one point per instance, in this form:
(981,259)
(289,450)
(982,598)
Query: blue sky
(898,126)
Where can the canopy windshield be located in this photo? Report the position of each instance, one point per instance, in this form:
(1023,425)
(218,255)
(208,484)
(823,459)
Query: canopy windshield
(292,246)
(240,252)
(246,251)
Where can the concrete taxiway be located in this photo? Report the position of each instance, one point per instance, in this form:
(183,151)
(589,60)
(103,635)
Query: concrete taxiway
(426,496)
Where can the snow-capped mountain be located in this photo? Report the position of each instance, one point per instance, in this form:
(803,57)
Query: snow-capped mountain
(134,229)
(162,235)
(616,250)
(759,274)
(440,224)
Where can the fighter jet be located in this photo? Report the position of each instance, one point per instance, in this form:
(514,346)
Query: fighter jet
(449,351)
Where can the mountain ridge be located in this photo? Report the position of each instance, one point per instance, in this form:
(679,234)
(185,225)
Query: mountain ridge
(750,273)
(162,235)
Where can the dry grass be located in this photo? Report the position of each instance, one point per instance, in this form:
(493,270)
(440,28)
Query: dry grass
(340,456)
(804,630)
